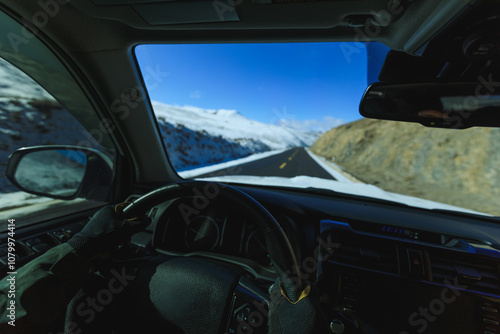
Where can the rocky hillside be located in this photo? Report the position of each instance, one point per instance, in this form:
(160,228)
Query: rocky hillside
(458,167)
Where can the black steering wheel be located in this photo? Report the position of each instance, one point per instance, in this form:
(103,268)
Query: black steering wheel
(195,295)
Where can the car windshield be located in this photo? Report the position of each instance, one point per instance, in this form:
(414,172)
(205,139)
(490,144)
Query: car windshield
(287,115)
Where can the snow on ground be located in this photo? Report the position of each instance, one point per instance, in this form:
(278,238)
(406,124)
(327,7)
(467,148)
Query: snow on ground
(18,205)
(16,84)
(357,189)
(20,198)
(188,149)
(226,165)
(338,174)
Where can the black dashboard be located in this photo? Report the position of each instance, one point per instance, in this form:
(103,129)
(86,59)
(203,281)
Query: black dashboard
(379,267)
(402,270)
(392,284)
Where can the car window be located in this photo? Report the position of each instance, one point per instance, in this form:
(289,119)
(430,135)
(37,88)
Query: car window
(30,116)
(220,102)
(288,115)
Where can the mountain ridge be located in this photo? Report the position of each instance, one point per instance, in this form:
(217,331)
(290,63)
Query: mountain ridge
(220,135)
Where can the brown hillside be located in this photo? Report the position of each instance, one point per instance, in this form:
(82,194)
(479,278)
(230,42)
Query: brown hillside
(458,167)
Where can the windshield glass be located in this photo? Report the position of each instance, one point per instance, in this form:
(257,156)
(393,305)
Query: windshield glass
(287,115)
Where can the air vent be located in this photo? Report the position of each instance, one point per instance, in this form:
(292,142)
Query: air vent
(367,253)
(477,274)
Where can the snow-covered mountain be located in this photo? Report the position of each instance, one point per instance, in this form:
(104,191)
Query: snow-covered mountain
(198,137)
(194,137)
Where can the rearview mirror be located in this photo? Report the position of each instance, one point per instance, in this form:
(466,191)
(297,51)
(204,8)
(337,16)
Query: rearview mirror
(442,105)
(63,172)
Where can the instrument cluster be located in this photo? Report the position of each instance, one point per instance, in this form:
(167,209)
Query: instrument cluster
(182,228)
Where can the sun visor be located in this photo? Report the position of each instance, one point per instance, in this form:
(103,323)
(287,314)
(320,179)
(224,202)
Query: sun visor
(173,12)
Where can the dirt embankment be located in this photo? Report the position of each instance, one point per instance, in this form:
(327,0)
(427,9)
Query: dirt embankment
(457,167)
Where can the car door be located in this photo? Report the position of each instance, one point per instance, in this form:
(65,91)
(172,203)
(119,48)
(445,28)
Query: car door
(42,106)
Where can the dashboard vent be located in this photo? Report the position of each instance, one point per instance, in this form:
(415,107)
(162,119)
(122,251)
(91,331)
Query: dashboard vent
(481,275)
(367,253)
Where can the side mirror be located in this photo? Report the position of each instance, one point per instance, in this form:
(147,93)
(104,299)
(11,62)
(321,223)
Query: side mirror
(440,105)
(62,172)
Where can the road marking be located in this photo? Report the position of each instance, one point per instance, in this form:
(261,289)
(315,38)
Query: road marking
(283,165)
(290,159)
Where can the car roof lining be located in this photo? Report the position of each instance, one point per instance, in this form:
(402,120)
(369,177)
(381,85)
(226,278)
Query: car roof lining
(89,27)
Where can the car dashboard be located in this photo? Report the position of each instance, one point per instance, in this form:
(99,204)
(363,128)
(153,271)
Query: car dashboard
(392,283)
(380,275)
(378,267)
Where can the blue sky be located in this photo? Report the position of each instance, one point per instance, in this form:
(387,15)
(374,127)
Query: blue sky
(310,85)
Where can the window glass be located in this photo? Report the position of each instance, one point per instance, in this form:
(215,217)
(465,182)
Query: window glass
(287,114)
(30,116)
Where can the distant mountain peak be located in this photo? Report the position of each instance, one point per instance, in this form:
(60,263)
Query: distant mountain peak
(244,135)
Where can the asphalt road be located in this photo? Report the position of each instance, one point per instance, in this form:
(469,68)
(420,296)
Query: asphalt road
(293,162)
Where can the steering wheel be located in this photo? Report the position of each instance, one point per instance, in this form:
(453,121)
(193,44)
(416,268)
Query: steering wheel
(194,295)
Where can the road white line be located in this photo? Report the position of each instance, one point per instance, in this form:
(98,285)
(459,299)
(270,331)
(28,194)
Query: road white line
(329,167)
(192,173)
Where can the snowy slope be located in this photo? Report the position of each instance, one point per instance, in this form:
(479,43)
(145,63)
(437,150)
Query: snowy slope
(16,84)
(198,137)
